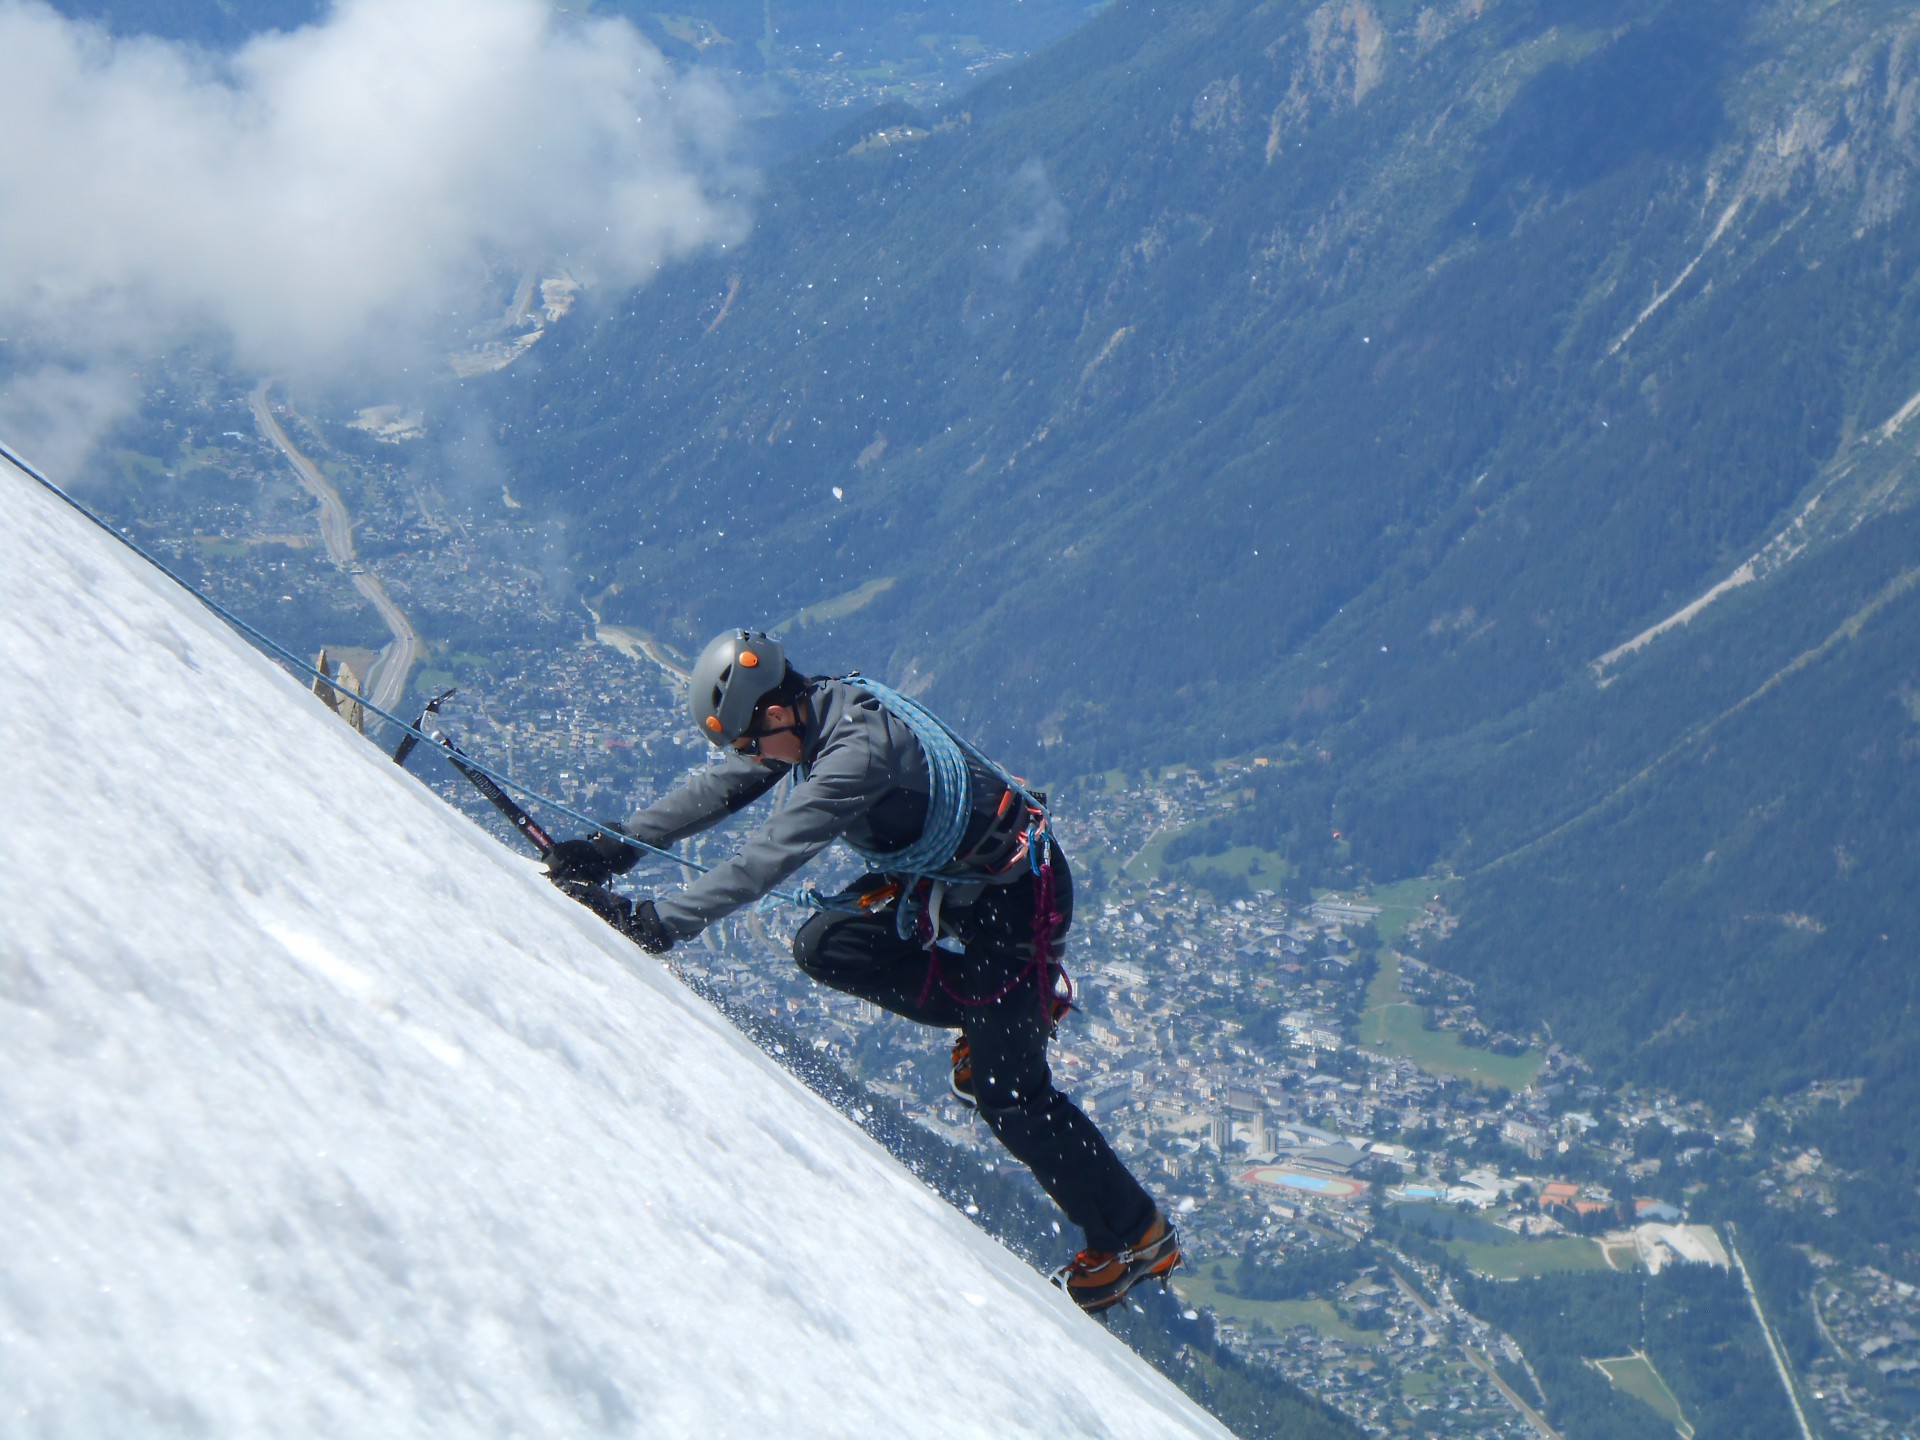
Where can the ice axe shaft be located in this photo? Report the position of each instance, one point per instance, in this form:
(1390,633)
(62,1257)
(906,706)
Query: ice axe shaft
(516,814)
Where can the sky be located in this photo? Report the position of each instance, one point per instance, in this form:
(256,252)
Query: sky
(327,1115)
(331,201)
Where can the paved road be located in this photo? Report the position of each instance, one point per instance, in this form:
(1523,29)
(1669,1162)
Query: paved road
(387,682)
(1766,1333)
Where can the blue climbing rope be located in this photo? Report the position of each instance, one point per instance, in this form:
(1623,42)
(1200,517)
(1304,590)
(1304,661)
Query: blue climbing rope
(950,806)
(808,899)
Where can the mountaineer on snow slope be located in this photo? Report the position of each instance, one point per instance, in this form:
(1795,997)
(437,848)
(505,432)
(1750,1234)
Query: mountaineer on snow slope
(958,924)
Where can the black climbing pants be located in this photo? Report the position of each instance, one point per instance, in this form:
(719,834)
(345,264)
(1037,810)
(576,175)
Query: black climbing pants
(991,993)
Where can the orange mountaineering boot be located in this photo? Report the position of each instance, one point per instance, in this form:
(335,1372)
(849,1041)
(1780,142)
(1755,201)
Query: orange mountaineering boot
(1099,1278)
(960,1081)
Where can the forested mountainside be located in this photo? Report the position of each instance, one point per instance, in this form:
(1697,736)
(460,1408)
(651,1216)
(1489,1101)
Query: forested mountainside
(1356,384)
(1319,329)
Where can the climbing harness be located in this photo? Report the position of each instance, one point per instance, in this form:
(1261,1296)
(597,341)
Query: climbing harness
(926,865)
(1053,986)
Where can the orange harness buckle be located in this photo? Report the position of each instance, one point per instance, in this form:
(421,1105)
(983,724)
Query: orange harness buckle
(874,899)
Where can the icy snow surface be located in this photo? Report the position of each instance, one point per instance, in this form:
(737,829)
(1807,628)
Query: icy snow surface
(321,1114)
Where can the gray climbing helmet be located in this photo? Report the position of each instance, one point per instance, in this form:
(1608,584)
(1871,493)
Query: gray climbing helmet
(733,675)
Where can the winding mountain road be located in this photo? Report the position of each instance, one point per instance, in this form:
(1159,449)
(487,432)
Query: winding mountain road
(387,681)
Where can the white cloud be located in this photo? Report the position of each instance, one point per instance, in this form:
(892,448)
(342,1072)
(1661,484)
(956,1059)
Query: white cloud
(1036,219)
(334,196)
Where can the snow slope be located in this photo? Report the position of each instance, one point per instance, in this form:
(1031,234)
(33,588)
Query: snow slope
(320,1114)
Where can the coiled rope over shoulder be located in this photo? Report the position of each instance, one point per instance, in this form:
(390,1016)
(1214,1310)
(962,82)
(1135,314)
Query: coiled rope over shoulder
(950,805)
(949,808)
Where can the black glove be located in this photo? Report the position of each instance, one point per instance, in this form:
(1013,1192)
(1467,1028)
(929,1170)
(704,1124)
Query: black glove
(639,923)
(647,930)
(592,861)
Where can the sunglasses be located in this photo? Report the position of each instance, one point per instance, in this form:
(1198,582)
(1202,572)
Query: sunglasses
(749,743)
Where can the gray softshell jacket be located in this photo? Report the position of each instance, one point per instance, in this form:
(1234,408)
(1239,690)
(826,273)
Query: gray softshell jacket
(865,778)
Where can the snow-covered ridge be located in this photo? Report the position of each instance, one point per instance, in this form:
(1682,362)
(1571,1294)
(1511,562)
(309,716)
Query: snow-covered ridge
(324,1116)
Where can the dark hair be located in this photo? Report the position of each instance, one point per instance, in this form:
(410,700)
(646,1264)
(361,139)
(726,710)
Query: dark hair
(789,692)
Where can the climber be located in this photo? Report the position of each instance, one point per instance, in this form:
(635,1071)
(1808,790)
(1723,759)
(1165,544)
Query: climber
(967,939)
